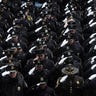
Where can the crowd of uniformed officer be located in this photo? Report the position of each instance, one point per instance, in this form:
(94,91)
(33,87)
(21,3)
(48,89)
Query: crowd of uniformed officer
(47,48)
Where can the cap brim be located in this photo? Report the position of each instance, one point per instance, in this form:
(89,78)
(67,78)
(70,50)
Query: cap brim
(12,71)
(41,83)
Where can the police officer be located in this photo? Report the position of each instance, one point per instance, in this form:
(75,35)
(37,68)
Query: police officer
(70,84)
(36,73)
(44,90)
(40,55)
(13,82)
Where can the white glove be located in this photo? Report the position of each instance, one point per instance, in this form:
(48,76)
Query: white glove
(62,56)
(90,22)
(44,4)
(8,39)
(68,11)
(66,8)
(24,4)
(38,39)
(64,43)
(63,78)
(89,1)
(92,61)
(89,8)
(38,84)
(9,35)
(3,67)
(5,73)
(30,51)
(31,71)
(91,25)
(66,31)
(92,67)
(2,58)
(92,35)
(95,47)
(38,21)
(67,5)
(92,77)
(91,41)
(9,29)
(62,60)
(90,13)
(65,20)
(38,29)
(94,57)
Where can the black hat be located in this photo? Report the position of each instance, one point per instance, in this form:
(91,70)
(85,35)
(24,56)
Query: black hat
(42,81)
(40,51)
(41,42)
(68,53)
(69,60)
(11,68)
(14,34)
(72,24)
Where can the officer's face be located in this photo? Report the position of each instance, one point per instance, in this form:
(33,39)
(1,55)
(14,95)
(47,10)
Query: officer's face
(71,41)
(15,38)
(46,37)
(42,56)
(20,50)
(43,86)
(73,31)
(15,51)
(13,74)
